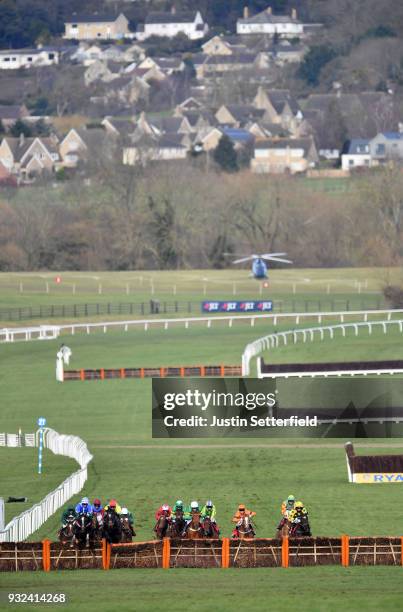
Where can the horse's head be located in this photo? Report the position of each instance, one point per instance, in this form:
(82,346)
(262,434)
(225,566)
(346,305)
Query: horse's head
(195,518)
(179,514)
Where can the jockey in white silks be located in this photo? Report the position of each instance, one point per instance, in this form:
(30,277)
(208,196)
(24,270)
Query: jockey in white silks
(62,357)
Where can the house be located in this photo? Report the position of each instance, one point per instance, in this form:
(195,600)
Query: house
(356,154)
(268,23)
(148,148)
(25,157)
(206,65)
(159,23)
(118,127)
(7,179)
(13,59)
(10,114)
(386,146)
(279,106)
(97,26)
(166,65)
(72,148)
(238,114)
(277,156)
(239,137)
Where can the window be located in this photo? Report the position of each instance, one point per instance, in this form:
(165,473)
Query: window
(74,26)
(51,56)
(6,59)
(29,59)
(380,149)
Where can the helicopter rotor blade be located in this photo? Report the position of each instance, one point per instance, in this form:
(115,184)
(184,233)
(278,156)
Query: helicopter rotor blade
(243,259)
(278,259)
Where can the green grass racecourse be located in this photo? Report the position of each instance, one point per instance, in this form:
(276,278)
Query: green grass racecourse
(289,288)
(22,480)
(320,589)
(114,418)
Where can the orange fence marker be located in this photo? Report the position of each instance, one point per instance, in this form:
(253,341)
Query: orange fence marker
(222,370)
(182,371)
(46,555)
(108,556)
(345,550)
(162,372)
(102,374)
(122,373)
(401,553)
(285,552)
(141,372)
(103,553)
(82,375)
(202,371)
(225,553)
(166,553)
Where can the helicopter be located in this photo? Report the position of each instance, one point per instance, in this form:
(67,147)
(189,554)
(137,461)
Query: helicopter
(259,266)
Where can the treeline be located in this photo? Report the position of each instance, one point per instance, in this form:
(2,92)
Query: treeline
(167,219)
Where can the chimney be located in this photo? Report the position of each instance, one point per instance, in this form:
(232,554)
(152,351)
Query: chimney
(245,12)
(21,139)
(173,10)
(294,13)
(268,10)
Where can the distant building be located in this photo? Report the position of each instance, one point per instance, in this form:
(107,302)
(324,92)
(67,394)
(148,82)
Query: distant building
(159,23)
(102,27)
(386,146)
(278,156)
(13,59)
(266,23)
(356,154)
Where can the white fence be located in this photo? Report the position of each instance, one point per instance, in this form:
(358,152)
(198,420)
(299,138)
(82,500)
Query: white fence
(273,340)
(22,526)
(50,332)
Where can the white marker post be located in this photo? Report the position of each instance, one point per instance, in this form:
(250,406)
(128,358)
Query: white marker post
(41,422)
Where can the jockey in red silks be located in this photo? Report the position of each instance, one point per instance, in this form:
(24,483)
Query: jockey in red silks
(164,510)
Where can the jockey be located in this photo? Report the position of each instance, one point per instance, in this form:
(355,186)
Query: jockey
(179,507)
(299,516)
(164,510)
(287,506)
(84,507)
(126,514)
(113,505)
(298,511)
(193,509)
(68,515)
(209,510)
(240,514)
(97,507)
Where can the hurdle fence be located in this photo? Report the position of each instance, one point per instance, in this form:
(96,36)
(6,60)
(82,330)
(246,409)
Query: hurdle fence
(51,332)
(26,523)
(282,338)
(208,553)
(163,372)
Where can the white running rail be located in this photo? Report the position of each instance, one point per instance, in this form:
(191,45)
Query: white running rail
(23,525)
(273,340)
(50,332)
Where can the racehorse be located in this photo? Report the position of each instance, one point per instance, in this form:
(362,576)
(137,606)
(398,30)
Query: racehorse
(83,531)
(210,529)
(66,534)
(97,526)
(177,525)
(161,526)
(127,530)
(245,528)
(283,529)
(195,529)
(300,527)
(112,527)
